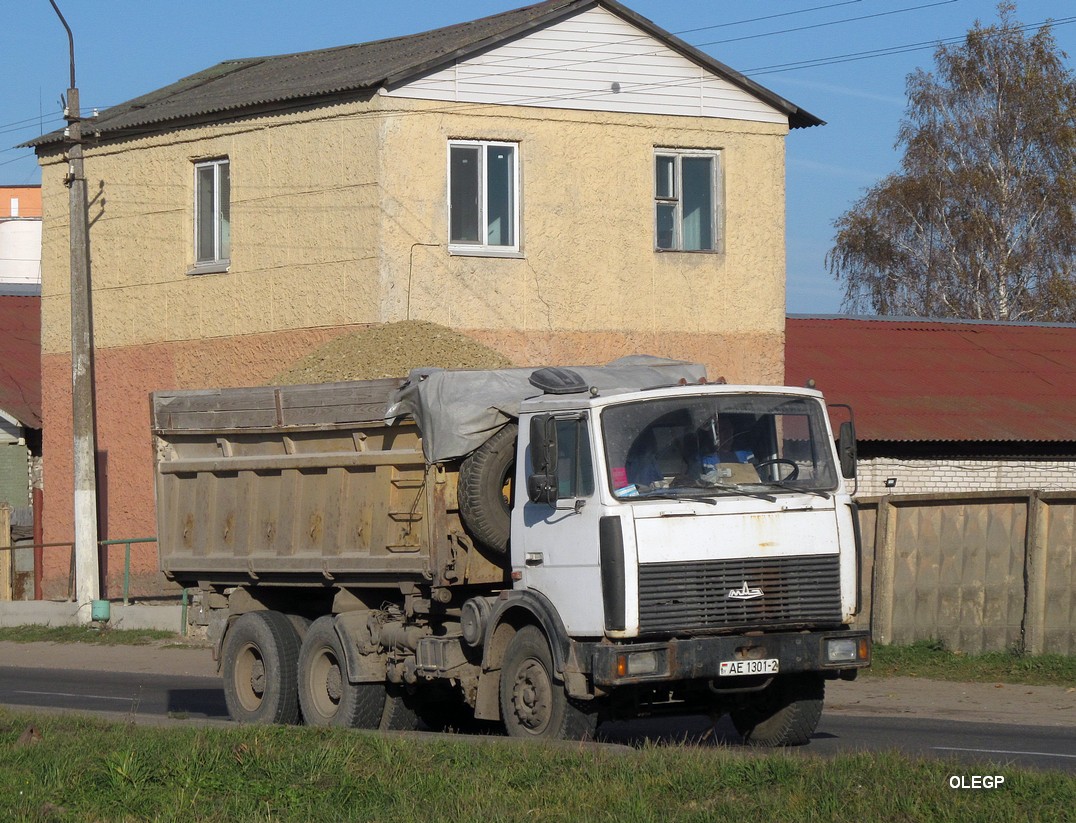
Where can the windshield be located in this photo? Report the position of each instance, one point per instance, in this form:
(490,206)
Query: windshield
(703,445)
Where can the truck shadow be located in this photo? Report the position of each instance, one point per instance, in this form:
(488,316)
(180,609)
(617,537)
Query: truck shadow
(689,730)
(197,703)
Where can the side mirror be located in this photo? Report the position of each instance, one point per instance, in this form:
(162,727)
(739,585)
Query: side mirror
(542,483)
(846,450)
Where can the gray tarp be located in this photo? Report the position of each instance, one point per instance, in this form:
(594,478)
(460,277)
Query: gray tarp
(458,411)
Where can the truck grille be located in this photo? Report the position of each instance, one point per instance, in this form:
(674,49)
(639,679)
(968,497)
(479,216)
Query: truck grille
(679,597)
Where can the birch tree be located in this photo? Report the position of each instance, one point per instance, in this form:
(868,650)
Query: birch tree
(979,221)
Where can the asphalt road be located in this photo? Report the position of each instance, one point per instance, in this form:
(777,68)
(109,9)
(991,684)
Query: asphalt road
(983,748)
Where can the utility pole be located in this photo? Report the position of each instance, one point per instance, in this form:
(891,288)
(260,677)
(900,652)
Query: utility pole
(87,583)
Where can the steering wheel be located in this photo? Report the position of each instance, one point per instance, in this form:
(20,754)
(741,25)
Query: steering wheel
(784,462)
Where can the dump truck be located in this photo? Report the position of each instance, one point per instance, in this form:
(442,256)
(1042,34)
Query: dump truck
(540,548)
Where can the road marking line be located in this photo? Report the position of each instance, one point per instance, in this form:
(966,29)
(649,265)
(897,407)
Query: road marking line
(1000,751)
(68,694)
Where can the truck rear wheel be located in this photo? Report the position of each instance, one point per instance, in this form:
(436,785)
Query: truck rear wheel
(326,695)
(533,704)
(485,489)
(785,714)
(260,660)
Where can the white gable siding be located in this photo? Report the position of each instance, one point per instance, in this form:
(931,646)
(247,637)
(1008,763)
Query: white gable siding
(575,63)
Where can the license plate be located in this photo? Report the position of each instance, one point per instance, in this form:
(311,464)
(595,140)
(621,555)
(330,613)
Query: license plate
(734,667)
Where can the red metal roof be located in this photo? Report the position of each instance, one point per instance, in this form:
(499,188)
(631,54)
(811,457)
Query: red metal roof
(20,358)
(938,380)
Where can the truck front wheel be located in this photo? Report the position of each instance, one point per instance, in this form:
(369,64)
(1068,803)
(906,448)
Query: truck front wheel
(784,714)
(260,657)
(533,704)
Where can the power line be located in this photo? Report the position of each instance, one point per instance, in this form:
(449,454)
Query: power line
(766,17)
(828,23)
(887,51)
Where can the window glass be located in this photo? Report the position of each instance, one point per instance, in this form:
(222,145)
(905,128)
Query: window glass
(465,207)
(575,467)
(665,168)
(206,241)
(686,208)
(717,444)
(225,211)
(212,212)
(698,203)
(500,207)
(483,195)
(666,226)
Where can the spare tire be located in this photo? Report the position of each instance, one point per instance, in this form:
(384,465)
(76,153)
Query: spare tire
(485,489)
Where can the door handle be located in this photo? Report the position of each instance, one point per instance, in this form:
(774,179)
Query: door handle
(534,558)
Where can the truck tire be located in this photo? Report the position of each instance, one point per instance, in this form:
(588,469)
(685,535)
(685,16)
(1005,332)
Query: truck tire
(533,703)
(260,660)
(785,714)
(485,489)
(399,714)
(326,695)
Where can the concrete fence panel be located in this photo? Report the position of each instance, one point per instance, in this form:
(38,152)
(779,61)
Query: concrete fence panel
(977,571)
(1051,620)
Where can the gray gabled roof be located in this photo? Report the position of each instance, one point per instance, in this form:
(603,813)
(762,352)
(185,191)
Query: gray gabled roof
(246,86)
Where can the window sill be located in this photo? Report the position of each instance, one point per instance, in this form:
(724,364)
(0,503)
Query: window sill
(485,251)
(210,268)
(687,251)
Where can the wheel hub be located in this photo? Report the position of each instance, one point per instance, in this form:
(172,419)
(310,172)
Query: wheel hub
(532,696)
(257,676)
(334,684)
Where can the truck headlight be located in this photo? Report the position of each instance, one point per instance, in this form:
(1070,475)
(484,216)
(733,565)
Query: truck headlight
(638,664)
(841,650)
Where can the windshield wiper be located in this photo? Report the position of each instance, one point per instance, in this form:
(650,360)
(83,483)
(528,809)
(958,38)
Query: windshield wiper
(782,485)
(725,487)
(737,490)
(665,494)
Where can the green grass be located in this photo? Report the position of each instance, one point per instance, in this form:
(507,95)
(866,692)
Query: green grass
(930,660)
(87,634)
(84,769)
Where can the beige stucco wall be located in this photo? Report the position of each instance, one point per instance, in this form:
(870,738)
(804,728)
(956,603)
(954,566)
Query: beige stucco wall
(589,263)
(339,218)
(304,233)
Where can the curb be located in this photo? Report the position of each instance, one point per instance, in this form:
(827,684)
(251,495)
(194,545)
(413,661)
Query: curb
(165,617)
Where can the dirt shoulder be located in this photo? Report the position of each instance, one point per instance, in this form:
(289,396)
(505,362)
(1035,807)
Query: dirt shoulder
(867,696)
(979,702)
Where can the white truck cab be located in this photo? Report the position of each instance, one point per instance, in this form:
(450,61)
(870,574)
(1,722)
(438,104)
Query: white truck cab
(692,533)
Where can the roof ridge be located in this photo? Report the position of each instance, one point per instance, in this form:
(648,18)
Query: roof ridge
(349,70)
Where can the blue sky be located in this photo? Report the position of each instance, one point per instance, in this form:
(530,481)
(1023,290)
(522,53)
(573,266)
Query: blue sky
(124,48)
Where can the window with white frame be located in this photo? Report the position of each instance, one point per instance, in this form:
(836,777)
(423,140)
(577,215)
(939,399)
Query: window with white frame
(212,214)
(687,206)
(483,197)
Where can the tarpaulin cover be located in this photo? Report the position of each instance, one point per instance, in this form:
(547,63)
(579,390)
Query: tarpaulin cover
(458,411)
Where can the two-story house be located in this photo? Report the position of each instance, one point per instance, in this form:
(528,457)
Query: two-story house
(565,182)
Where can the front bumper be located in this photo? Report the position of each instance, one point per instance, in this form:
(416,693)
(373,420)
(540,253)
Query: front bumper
(613,665)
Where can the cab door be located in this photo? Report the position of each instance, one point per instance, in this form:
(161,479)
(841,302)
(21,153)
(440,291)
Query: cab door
(555,547)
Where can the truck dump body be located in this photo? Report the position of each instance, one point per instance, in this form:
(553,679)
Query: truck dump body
(296,484)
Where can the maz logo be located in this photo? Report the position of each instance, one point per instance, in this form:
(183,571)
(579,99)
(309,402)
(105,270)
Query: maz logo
(746,593)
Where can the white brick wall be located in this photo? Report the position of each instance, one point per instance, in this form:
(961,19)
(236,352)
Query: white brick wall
(963,475)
